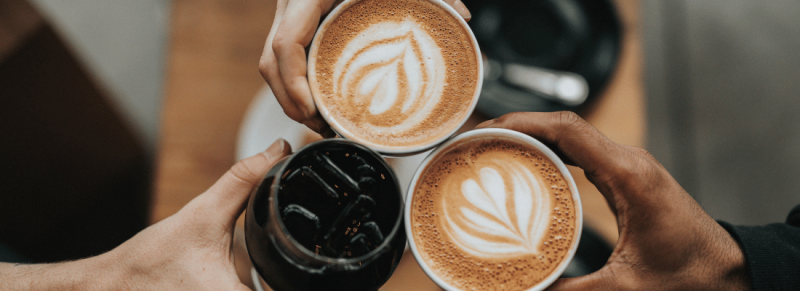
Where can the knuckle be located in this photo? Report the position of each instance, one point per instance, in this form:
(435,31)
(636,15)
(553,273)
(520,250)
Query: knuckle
(264,66)
(510,118)
(280,42)
(295,115)
(568,119)
(242,172)
(639,172)
(643,155)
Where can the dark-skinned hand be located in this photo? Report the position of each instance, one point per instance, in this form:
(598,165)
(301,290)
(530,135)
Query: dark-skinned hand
(666,240)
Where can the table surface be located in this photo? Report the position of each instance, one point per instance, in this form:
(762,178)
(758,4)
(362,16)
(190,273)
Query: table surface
(212,76)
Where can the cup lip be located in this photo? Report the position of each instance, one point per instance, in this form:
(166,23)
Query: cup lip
(387,149)
(495,133)
(396,228)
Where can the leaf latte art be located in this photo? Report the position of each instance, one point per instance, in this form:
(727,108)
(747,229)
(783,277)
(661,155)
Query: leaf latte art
(488,227)
(492,214)
(395,73)
(394,69)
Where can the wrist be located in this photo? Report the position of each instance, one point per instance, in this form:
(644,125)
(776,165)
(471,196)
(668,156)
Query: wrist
(94,273)
(730,265)
(735,273)
(87,274)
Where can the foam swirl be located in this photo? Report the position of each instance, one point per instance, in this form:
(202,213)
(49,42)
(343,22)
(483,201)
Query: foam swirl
(504,216)
(396,70)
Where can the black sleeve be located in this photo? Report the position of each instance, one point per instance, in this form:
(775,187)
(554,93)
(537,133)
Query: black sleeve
(772,252)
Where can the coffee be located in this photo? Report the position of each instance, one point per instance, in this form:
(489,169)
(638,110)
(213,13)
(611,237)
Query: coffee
(395,74)
(329,217)
(493,213)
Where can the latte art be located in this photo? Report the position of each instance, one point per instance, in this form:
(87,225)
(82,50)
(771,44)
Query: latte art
(492,214)
(488,227)
(395,75)
(394,69)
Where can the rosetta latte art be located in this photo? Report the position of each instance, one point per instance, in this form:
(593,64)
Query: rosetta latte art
(501,220)
(396,70)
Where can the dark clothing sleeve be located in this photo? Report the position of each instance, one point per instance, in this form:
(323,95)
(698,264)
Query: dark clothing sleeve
(772,252)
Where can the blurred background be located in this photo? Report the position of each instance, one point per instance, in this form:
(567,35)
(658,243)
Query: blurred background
(114,114)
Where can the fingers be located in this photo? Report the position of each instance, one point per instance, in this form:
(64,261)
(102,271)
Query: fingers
(571,135)
(294,34)
(283,60)
(460,8)
(225,200)
(319,125)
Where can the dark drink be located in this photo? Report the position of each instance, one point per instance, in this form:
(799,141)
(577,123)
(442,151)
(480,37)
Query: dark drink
(328,217)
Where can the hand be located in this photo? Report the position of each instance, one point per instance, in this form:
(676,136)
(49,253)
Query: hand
(190,250)
(666,241)
(283,62)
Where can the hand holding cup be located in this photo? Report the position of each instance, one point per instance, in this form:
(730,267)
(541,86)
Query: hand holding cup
(283,62)
(667,241)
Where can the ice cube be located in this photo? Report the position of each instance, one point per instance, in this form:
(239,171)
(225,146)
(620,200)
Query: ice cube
(307,171)
(337,235)
(301,222)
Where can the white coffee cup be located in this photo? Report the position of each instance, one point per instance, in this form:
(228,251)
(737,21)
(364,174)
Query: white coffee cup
(503,134)
(389,150)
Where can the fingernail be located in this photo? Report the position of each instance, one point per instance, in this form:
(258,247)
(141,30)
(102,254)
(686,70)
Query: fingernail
(462,9)
(276,149)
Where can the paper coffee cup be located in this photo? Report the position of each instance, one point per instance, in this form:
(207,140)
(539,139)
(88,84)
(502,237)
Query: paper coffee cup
(444,153)
(414,83)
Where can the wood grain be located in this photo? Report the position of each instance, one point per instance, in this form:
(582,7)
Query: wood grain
(212,74)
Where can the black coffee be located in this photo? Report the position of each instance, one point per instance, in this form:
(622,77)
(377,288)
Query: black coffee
(332,221)
(335,204)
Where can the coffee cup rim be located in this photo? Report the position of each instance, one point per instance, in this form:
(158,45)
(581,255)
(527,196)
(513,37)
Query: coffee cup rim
(506,134)
(385,149)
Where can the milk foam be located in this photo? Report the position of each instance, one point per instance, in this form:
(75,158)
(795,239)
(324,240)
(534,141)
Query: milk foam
(485,228)
(492,214)
(392,66)
(395,74)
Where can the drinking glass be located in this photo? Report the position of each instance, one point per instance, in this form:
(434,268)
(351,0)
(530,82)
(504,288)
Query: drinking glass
(328,217)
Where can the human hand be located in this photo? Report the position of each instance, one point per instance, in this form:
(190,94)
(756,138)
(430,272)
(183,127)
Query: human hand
(666,240)
(192,249)
(283,61)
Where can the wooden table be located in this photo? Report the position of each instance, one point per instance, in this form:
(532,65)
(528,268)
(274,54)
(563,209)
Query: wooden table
(212,75)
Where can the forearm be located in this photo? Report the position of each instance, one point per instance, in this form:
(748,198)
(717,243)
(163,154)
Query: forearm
(96,273)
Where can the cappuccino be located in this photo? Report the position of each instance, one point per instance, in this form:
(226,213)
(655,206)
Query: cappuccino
(493,213)
(396,75)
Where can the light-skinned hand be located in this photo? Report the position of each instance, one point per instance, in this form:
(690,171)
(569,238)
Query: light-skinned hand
(283,61)
(666,240)
(190,250)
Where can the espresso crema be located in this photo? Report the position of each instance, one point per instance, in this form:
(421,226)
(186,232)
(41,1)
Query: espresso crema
(396,73)
(492,214)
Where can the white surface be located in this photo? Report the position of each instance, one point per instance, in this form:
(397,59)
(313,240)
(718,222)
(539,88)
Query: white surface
(265,122)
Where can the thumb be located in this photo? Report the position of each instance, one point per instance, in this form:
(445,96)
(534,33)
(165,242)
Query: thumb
(226,199)
(600,280)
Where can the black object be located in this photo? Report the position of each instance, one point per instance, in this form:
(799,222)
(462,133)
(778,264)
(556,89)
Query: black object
(772,252)
(592,254)
(578,36)
(329,217)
